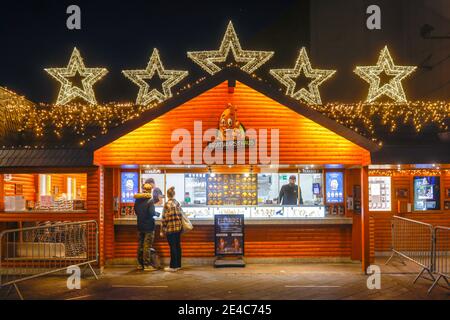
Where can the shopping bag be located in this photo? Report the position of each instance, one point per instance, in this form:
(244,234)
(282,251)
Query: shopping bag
(187,225)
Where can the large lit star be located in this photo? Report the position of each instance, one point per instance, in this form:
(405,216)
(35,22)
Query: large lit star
(146,94)
(393,88)
(89,76)
(287,77)
(252,59)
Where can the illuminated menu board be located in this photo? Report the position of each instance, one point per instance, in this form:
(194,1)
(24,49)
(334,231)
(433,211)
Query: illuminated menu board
(426,193)
(129,186)
(380,193)
(334,187)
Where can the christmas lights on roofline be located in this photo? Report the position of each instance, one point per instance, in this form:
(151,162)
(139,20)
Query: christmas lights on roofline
(357,116)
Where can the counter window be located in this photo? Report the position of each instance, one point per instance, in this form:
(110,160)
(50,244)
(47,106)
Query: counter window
(268,188)
(159,179)
(45,192)
(426,193)
(194,188)
(334,187)
(380,193)
(289,193)
(311,188)
(175,180)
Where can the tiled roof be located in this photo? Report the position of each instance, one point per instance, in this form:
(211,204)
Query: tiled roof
(45,158)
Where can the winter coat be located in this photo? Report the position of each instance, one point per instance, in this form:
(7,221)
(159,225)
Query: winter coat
(145,212)
(171,218)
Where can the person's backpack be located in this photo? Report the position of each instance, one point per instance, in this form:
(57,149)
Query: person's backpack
(155,261)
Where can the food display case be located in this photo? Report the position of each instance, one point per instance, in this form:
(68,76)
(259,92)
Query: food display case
(232,189)
(204,195)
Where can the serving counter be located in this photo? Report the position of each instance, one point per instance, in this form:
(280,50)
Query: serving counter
(256,221)
(262,211)
(271,231)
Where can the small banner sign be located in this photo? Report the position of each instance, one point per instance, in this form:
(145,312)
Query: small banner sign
(229,234)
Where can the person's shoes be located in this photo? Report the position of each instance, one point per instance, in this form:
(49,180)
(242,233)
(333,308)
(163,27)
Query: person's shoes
(149,268)
(168,269)
(140,267)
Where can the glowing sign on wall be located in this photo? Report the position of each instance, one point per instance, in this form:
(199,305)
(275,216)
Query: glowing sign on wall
(380,193)
(334,187)
(426,193)
(129,186)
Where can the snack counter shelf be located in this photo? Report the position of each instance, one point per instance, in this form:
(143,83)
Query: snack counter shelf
(270,214)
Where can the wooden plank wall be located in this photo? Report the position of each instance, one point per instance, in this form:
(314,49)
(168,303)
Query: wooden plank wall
(302,141)
(260,241)
(109,242)
(382,220)
(94,205)
(29,183)
(92,200)
(60,180)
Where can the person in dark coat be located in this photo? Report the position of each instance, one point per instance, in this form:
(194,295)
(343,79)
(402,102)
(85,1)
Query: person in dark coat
(145,212)
(289,193)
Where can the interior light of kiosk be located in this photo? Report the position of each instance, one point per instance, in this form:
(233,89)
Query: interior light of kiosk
(333,166)
(425,166)
(129,166)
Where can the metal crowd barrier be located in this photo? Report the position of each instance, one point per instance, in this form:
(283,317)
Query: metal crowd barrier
(423,244)
(29,253)
(413,240)
(441,263)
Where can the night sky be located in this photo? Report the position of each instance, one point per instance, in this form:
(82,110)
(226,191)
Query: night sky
(121,35)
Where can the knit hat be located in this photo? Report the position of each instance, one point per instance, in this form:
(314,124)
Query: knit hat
(147,187)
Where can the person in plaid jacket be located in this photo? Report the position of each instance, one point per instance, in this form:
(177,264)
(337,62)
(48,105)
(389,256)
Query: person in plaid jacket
(172,226)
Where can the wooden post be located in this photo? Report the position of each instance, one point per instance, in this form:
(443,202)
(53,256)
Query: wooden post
(365,238)
(2,193)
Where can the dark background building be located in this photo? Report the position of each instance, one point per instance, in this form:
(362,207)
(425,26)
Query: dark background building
(121,35)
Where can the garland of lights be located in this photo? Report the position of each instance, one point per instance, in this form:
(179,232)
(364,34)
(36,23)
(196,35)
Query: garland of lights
(79,117)
(68,91)
(393,88)
(208,59)
(287,77)
(154,66)
(406,172)
(392,115)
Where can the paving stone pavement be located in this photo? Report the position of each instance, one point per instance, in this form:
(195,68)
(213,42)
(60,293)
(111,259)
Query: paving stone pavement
(316,281)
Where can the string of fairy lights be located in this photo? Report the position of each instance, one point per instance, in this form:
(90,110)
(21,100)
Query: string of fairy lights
(408,172)
(68,113)
(392,115)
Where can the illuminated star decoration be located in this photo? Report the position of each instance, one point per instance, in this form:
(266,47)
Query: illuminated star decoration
(393,88)
(89,76)
(208,59)
(287,77)
(146,94)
